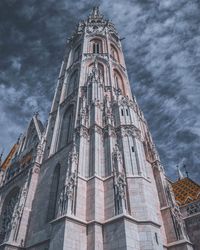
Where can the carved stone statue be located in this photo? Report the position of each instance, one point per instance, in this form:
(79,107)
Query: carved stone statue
(67,195)
(119,181)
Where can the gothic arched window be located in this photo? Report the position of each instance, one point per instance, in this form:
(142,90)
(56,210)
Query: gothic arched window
(72,84)
(114,53)
(119,82)
(53,196)
(96,46)
(7,212)
(66,127)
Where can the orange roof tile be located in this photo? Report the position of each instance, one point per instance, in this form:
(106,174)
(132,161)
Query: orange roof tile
(9,157)
(186,191)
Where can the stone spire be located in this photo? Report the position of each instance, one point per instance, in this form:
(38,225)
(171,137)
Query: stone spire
(95,13)
(180,174)
(1,155)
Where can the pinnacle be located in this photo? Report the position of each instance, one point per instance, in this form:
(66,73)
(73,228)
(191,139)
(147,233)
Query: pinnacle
(95,13)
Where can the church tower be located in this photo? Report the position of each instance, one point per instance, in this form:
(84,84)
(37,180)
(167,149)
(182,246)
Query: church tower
(101,184)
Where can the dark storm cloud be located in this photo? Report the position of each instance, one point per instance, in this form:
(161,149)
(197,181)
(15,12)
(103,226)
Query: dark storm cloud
(162,55)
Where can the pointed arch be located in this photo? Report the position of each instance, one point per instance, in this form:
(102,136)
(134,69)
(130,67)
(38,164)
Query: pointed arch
(53,196)
(118,80)
(96,46)
(66,127)
(114,53)
(73,82)
(7,212)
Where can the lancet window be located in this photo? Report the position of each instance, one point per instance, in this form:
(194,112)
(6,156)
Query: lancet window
(119,82)
(53,194)
(72,84)
(114,53)
(66,128)
(96,46)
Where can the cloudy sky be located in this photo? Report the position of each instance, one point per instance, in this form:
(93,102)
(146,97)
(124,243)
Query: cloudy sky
(162,51)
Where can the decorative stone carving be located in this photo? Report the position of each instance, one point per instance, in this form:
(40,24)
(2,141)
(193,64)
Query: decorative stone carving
(13,213)
(20,208)
(117,159)
(83,132)
(96,129)
(176,214)
(94,29)
(179,223)
(193,208)
(108,115)
(95,74)
(7,218)
(119,181)
(124,101)
(40,149)
(129,130)
(109,131)
(117,91)
(66,203)
(83,112)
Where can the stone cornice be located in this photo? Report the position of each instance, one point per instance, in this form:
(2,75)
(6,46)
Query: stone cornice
(108,221)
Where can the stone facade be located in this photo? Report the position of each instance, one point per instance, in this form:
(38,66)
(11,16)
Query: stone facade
(95,180)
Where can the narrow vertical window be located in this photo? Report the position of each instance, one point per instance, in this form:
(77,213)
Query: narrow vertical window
(119,84)
(66,128)
(132,148)
(156,237)
(77,53)
(122,112)
(127,112)
(72,83)
(114,53)
(53,196)
(96,46)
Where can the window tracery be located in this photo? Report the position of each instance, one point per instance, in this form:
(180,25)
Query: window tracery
(7,213)
(96,46)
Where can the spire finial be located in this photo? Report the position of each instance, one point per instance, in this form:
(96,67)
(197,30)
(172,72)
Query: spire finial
(180,175)
(2,152)
(95,11)
(36,113)
(187,173)
(19,137)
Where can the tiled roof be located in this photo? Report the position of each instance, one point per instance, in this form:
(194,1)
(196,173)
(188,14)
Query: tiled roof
(6,163)
(186,191)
